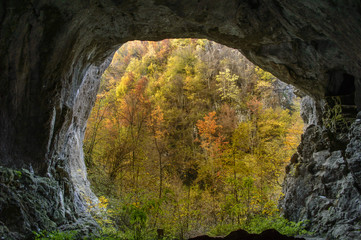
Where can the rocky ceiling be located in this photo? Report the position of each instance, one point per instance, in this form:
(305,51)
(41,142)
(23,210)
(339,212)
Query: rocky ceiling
(53,52)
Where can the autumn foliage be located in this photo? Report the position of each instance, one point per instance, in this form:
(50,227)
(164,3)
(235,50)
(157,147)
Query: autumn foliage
(187,135)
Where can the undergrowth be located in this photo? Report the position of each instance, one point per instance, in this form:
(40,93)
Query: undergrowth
(256,224)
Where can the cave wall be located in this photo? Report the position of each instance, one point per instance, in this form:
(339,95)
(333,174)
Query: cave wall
(322,185)
(53,52)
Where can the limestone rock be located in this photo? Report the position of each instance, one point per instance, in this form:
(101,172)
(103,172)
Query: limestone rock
(32,203)
(322,186)
(311,111)
(353,153)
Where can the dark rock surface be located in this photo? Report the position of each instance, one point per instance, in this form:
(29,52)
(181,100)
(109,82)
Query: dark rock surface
(322,185)
(53,52)
(270,234)
(31,203)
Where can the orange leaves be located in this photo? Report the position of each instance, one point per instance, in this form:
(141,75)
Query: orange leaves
(211,140)
(254,106)
(208,126)
(156,123)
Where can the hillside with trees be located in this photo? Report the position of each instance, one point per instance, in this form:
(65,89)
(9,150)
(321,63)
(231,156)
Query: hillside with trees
(188,137)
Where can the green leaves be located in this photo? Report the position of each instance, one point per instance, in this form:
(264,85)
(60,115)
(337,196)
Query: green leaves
(186,133)
(56,235)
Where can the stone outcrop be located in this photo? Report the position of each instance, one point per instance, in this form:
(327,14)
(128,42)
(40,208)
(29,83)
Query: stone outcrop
(323,180)
(49,49)
(32,203)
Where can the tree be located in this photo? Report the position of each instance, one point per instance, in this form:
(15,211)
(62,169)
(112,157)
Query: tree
(188,134)
(134,114)
(94,124)
(227,86)
(159,133)
(210,139)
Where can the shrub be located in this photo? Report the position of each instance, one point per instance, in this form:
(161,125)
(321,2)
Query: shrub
(223,229)
(260,223)
(56,235)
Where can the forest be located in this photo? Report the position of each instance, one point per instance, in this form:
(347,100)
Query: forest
(187,137)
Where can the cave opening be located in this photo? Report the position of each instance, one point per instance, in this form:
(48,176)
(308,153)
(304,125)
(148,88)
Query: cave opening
(54,51)
(193,136)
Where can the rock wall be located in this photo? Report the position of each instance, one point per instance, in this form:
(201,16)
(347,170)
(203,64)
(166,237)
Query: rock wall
(322,184)
(32,203)
(59,200)
(48,47)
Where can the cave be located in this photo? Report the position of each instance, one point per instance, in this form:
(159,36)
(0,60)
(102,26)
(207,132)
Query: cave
(53,53)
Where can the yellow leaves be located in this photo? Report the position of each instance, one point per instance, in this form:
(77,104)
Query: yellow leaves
(103,202)
(293,136)
(201,43)
(121,89)
(263,85)
(188,69)
(154,116)
(270,208)
(151,68)
(136,204)
(273,124)
(265,76)
(101,205)
(227,86)
(241,138)
(181,42)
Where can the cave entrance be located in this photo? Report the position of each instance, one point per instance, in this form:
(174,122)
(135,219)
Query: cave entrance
(189,137)
(50,48)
